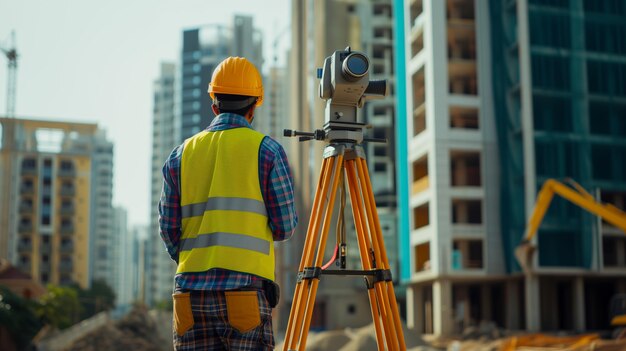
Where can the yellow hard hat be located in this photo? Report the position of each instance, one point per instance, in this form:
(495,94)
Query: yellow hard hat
(237,76)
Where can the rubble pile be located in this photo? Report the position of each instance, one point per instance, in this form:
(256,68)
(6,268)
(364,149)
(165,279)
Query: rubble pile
(136,332)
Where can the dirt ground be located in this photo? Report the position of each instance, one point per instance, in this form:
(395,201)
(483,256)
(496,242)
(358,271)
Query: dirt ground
(484,338)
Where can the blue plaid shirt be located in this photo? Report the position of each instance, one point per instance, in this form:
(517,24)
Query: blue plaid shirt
(276,188)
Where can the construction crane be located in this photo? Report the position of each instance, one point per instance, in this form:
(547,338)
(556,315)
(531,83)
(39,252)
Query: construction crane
(11,53)
(576,194)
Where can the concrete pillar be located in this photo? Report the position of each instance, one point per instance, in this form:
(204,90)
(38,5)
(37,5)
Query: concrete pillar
(533,307)
(578,299)
(415,308)
(512,302)
(486,303)
(443,322)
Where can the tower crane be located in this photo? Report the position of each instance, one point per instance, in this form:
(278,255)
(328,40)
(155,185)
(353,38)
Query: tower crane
(11,54)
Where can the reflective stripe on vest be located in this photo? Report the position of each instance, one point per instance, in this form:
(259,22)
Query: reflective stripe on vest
(224,203)
(224,219)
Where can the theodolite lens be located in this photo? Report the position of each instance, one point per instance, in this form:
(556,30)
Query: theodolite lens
(355,66)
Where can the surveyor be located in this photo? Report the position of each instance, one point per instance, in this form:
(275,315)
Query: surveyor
(227,196)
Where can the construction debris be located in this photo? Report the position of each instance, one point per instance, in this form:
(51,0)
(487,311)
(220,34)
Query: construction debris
(485,337)
(137,331)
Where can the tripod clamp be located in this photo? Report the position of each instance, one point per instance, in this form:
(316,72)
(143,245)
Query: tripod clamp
(371,277)
(351,132)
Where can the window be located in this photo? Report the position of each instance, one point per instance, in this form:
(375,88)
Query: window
(614,251)
(420,216)
(551,72)
(463,117)
(550,30)
(466,211)
(467,254)
(607,118)
(380,151)
(422,257)
(465,168)
(552,113)
(608,78)
(66,165)
(420,175)
(613,7)
(419,100)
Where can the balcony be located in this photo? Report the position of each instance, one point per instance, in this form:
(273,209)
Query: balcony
(66,172)
(27,189)
(25,228)
(67,248)
(66,267)
(25,267)
(29,169)
(44,266)
(26,208)
(67,210)
(24,247)
(67,191)
(67,229)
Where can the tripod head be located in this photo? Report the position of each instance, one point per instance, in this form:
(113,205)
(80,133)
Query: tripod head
(345,85)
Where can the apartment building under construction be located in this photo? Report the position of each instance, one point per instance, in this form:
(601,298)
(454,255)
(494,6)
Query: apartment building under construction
(47,197)
(501,96)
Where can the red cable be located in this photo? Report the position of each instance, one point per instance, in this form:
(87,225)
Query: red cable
(333,259)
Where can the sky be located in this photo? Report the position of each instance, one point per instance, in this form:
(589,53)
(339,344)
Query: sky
(95,62)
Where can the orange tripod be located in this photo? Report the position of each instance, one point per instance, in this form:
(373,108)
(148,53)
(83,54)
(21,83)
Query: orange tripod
(348,158)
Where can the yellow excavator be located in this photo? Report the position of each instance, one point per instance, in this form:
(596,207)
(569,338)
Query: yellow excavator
(575,193)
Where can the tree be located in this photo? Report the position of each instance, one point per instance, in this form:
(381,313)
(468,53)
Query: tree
(60,307)
(100,297)
(17,316)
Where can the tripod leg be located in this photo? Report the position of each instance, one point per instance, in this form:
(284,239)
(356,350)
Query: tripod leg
(296,332)
(379,245)
(296,312)
(365,249)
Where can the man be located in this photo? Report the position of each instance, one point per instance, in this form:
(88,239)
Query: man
(227,196)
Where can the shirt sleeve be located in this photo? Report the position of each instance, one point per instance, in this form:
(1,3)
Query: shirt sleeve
(277,188)
(169,204)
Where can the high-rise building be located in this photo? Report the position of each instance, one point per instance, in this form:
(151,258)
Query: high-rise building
(140,236)
(203,49)
(102,234)
(125,269)
(499,97)
(275,104)
(159,267)
(47,186)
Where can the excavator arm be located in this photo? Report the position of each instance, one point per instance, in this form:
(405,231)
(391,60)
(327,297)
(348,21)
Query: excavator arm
(575,194)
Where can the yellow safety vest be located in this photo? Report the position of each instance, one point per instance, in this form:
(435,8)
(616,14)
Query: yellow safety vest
(224,219)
